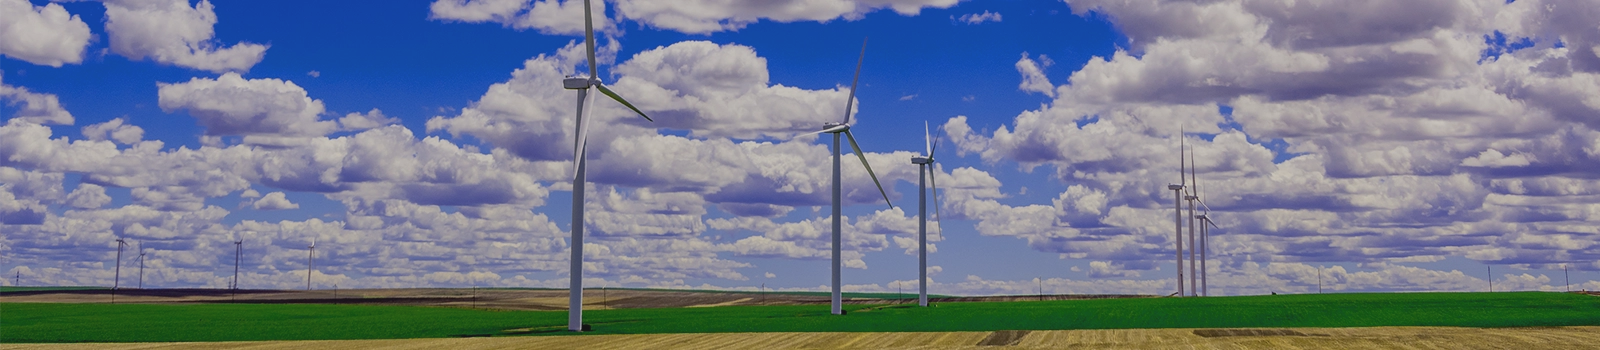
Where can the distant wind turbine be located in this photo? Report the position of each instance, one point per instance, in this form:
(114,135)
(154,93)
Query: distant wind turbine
(1177,214)
(238,250)
(844,128)
(141,265)
(310,251)
(116,277)
(1194,286)
(586,86)
(925,176)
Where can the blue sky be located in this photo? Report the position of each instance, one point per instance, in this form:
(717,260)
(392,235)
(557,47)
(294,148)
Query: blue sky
(420,142)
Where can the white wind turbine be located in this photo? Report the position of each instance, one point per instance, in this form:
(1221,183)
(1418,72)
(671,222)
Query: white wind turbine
(310,251)
(924,178)
(1177,214)
(1205,229)
(116,279)
(844,128)
(586,87)
(141,265)
(1194,285)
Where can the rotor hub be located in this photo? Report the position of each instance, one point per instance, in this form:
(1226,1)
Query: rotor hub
(835,127)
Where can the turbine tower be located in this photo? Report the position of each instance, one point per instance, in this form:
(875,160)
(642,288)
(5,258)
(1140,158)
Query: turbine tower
(586,87)
(924,178)
(141,265)
(238,249)
(310,251)
(1194,287)
(1177,211)
(844,128)
(117,275)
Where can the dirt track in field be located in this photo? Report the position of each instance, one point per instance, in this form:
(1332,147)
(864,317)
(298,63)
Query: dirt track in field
(1295,338)
(505,299)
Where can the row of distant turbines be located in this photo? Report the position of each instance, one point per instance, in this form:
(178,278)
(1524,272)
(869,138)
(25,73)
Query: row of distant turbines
(588,86)
(1188,189)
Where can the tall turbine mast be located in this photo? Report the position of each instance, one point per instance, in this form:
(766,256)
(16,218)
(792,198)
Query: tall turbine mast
(838,218)
(141,265)
(587,87)
(310,251)
(1194,287)
(924,167)
(1177,211)
(117,275)
(238,249)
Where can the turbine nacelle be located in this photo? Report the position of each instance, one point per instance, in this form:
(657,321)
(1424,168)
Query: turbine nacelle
(834,128)
(1174,187)
(921,160)
(579,83)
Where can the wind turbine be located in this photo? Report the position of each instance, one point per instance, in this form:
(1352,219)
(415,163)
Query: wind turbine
(586,86)
(844,128)
(238,250)
(924,166)
(310,251)
(141,265)
(1177,213)
(116,279)
(1194,287)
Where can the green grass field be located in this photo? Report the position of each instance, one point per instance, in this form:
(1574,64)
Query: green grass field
(909,295)
(26,322)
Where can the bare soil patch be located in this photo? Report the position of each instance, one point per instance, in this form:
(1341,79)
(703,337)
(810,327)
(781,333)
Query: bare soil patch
(1337,338)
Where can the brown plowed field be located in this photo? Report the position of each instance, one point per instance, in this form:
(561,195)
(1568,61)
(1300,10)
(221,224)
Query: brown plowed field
(508,299)
(1297,338)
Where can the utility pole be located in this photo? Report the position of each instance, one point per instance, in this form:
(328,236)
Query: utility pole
(1319,279)
(1569,277)
(1041,288)
(18,283)
(1491,277)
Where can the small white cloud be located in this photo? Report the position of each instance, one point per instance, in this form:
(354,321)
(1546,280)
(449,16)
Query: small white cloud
(369,120)
(36,108)
(969,98)
(908,97)
(977,18)
(772,275)
(171,32)
(88,196)
(115,129)
(275,201)
(250,193)
(1033,78)
(314,74)
(43,35)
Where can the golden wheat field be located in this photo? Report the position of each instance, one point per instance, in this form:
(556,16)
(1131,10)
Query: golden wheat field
(1279,338)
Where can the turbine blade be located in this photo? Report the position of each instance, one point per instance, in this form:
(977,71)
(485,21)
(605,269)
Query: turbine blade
(863,157)
(588,36)
(1213,224)
(927,139)
(937,216)
(849,103)
(1192,177)
(1181,165)
(582,145)
(619,99)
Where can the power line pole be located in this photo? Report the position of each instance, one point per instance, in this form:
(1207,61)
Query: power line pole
(1569,277)
(1319,279)
(1490,268)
